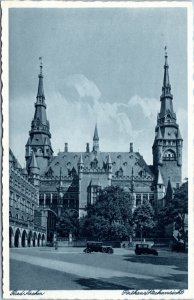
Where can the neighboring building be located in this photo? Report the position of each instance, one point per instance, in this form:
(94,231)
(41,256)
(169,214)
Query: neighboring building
(73,179)
(27,224)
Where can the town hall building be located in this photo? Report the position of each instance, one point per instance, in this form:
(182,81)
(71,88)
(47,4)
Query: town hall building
(72,179)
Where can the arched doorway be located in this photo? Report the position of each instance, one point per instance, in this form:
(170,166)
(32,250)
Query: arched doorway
(30,241)
(43,240)
(11,237)
(17,240)
(24,239)
(39,240)
(35,240)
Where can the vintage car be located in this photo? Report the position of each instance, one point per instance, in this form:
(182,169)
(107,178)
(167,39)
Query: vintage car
(98,247)
(144,249)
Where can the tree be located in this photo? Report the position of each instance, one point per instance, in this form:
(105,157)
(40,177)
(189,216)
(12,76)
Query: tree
(176,210)
(110,217)
(143,218)
(68,222)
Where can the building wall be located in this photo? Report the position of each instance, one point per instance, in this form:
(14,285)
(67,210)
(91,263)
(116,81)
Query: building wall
(26,227)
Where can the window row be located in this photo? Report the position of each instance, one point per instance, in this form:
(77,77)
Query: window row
(21,204)
(21,187)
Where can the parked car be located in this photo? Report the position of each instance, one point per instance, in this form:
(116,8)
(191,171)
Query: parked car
(98,247)
(144,249)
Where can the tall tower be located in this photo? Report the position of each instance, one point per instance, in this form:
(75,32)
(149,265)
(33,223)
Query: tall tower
(96,140)
(39,135)
(168,143)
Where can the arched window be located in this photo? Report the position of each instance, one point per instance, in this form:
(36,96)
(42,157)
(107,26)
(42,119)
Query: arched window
(169,155)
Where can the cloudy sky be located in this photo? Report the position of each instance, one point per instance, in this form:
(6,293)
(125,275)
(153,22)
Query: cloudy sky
(99,65)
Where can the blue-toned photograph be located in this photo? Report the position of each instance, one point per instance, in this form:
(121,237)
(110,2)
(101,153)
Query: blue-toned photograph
(98,148)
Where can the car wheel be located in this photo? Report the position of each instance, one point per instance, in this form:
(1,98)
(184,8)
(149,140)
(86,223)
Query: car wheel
(88,251)
(103,250)
(110,251)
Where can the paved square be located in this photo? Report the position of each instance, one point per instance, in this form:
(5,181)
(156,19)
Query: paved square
(70,268)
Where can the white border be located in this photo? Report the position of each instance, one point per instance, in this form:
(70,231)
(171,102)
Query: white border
(83,294)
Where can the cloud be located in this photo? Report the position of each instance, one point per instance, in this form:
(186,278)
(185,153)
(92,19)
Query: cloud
(84,86)
(149,107)
(74,121)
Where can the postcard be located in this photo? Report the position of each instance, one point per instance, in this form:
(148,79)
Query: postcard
(97,179)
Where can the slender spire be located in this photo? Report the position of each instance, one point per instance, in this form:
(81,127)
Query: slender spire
(40,93)
(166,89)
(96,138)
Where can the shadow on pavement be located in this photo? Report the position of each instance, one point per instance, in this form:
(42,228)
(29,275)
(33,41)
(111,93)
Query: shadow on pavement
(128,283)
(96,284)
(181,263)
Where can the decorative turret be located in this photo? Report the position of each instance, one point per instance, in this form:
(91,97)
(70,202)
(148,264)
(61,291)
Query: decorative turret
(167,147)
(80,167)
(96,140)
(34,171)
(39,140)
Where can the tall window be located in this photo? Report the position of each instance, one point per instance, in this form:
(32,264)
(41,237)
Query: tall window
(145,197)
(138,199)
(151,199)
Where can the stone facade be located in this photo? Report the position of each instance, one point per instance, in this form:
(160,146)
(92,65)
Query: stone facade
(73,179)
(27,224)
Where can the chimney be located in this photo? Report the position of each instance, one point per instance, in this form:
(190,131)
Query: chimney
(66,147)
(131,147)
(87,147)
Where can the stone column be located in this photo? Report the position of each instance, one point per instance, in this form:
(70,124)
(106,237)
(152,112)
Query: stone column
(51,199)
(31,242)
(26,242)
(36,242)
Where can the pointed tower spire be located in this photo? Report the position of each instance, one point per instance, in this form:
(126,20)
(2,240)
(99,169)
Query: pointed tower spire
(40,130)
(166,89)
(166,114)
(96,140)
(40,94)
